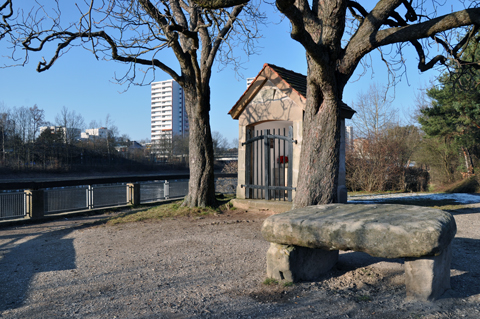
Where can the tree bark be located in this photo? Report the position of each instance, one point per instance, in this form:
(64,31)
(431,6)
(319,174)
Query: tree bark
(319,159)
(201,187)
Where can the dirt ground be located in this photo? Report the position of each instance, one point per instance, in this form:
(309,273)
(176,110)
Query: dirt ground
(212,267)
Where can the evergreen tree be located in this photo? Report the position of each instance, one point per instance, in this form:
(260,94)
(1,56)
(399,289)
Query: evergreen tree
(454,114)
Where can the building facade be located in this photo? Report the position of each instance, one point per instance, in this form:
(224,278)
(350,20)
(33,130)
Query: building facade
(101,132)
(270,116)
(168,114)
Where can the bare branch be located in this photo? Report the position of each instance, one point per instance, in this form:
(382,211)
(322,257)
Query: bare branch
(217,4)
(5,15)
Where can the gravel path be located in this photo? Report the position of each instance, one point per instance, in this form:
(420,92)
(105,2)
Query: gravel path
(206,268)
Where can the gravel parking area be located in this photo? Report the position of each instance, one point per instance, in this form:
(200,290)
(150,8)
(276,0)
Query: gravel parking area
(213,267)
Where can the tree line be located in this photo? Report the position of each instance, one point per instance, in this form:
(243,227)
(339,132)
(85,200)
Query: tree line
(443,139)
(24,146)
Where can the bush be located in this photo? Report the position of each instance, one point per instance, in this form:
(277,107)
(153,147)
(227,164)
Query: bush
(373,165)
(416,179)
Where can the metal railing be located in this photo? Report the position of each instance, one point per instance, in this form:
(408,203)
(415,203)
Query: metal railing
(64,199)
(12,205)
(87,197)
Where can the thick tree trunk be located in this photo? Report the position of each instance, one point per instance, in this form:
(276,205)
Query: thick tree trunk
(201,188)
(319,160)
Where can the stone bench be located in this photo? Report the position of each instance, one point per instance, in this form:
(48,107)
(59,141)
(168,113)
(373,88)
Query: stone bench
(305,242)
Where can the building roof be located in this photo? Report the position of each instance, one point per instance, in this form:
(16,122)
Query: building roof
(295,82)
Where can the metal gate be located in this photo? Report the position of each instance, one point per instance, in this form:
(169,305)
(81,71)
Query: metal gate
(267,168)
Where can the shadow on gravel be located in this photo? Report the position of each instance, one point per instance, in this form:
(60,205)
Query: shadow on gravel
(465,258)
(23,256)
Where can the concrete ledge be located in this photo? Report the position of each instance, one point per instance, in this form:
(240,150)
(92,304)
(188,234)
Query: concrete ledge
(274,206)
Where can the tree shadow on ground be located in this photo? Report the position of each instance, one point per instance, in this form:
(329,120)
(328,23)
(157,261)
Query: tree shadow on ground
(25,255)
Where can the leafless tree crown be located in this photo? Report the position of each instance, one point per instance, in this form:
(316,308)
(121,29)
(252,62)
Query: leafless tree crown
(137,33)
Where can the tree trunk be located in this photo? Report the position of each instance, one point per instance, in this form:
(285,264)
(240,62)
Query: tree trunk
(319,159)
(201,187)
(468,162)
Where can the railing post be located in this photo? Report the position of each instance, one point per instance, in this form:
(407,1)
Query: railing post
(166,189)
(90,197)
(133,194)
(35,203)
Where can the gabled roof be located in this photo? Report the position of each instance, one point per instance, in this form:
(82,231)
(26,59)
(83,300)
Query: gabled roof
(286,80)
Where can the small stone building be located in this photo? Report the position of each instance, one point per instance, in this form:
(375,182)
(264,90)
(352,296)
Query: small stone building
(270,116)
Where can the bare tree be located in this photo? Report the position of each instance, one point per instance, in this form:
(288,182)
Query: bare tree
(71,124)
(337,35)
(136,32)
(374,114)
(6,13)
(6,129)
(220,142)
(37,117)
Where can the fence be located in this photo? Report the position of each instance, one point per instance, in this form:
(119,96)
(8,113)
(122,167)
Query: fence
(12,205)
(47,201)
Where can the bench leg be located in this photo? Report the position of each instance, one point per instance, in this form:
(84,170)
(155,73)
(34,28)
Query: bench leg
(294,263)
(427,278)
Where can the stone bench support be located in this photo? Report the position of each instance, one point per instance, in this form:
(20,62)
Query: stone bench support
(295,263)
(305,242)
(427,278)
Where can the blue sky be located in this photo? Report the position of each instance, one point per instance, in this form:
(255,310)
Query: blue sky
(81,83)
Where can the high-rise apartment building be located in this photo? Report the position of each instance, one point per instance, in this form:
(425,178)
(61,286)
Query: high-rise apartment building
(168,115)
(349,137)
(249,81)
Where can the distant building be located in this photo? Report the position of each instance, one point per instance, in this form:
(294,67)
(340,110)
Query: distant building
(72,133)
(101,132)
(53,129)
(168,114)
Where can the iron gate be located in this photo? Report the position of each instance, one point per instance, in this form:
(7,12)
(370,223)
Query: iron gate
(267,168)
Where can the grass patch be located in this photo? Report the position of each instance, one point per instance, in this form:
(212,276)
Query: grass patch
(171,210)
(452,207)
(359,193)
(418,201)
(287,284)
(469,185)
(270,281)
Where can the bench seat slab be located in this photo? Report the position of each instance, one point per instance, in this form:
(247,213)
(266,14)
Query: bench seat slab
(383,230)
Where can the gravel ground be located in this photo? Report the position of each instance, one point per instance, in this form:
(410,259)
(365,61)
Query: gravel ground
(207,268)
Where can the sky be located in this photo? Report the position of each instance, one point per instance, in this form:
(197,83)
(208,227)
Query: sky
(81,83)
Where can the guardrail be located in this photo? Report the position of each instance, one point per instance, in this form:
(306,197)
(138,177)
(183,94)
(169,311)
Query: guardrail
(48,197)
